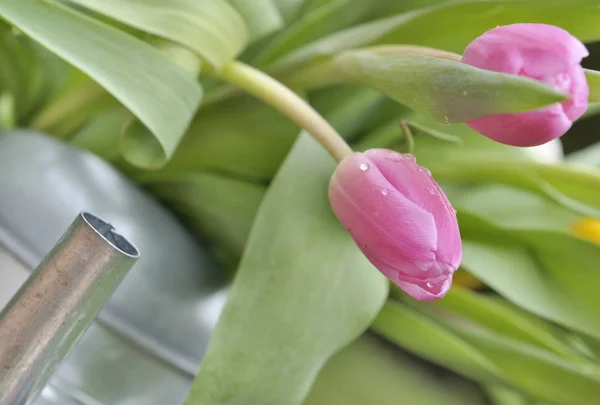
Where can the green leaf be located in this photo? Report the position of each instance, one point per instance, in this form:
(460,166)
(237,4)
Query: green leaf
(100,134)
(242,137)
(571,186)
(261,16)
(163,96)
(436,26)
(569,262)
(221,209)
(288,310)
(427,338)
(290,9)
(447,90)
(533,370)
(212,28)
(503,320)
(372,372)
(328,18)
(515,274)
(500,395)
(541,374)
(593,80)
(513,208)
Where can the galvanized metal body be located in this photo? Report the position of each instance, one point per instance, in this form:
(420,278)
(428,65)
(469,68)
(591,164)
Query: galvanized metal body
(148,341)
(57,304)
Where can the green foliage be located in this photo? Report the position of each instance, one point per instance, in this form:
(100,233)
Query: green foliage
(125,87)
(303,291)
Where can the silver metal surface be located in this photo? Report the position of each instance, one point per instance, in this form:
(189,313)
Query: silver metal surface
(149,340)
(57,304)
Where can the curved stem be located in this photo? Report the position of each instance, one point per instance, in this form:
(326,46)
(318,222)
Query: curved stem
(272,92)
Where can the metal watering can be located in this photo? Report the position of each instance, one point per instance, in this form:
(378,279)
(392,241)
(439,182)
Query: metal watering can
(149,337)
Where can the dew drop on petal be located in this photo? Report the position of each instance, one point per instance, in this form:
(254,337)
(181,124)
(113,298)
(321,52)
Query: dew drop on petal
(424,170)
(430,284)
(363,167)
(393,156)
(409,157)
(432,191)
(385,191)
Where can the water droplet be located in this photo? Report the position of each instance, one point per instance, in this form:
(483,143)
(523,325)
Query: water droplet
(454,211)
(424,170)
(363,167)
(393,156)
(425,267)
(409,157)
(446,120)
(465,93)
(430,284)
(432,191)
(384,192)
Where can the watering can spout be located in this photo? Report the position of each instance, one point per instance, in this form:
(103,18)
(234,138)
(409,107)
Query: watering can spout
(58,302)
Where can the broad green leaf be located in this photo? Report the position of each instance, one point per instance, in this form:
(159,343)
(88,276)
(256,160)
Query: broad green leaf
(569,262)
(291,9)
(447,90)
(436,26)
(303,291)
(212,28)
(539,373)
(572,186)
(160,94)
(501,395)
(535,371)
(242,137)
(221,209)
(100,134)
(347,108)
(414,331)
(261,16)
(328,18)
(503,320)
(386,8)
(593,80)
(513,208)
(372,372)
(517,275)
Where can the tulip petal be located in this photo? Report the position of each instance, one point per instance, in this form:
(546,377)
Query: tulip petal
(532,50)
(395,234)
(530,128)
(541,52)
(423,292)
(417,184)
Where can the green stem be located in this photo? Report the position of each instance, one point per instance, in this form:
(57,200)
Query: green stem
(272,92)
(410,142)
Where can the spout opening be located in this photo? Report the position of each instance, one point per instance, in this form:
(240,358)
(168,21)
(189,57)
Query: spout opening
(108,233)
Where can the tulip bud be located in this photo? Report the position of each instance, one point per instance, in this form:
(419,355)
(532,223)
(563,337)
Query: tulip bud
(400,219)
(541,52)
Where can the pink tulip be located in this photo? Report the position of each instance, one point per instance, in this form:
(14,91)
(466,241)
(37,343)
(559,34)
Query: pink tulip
(541,52)
(400,219)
